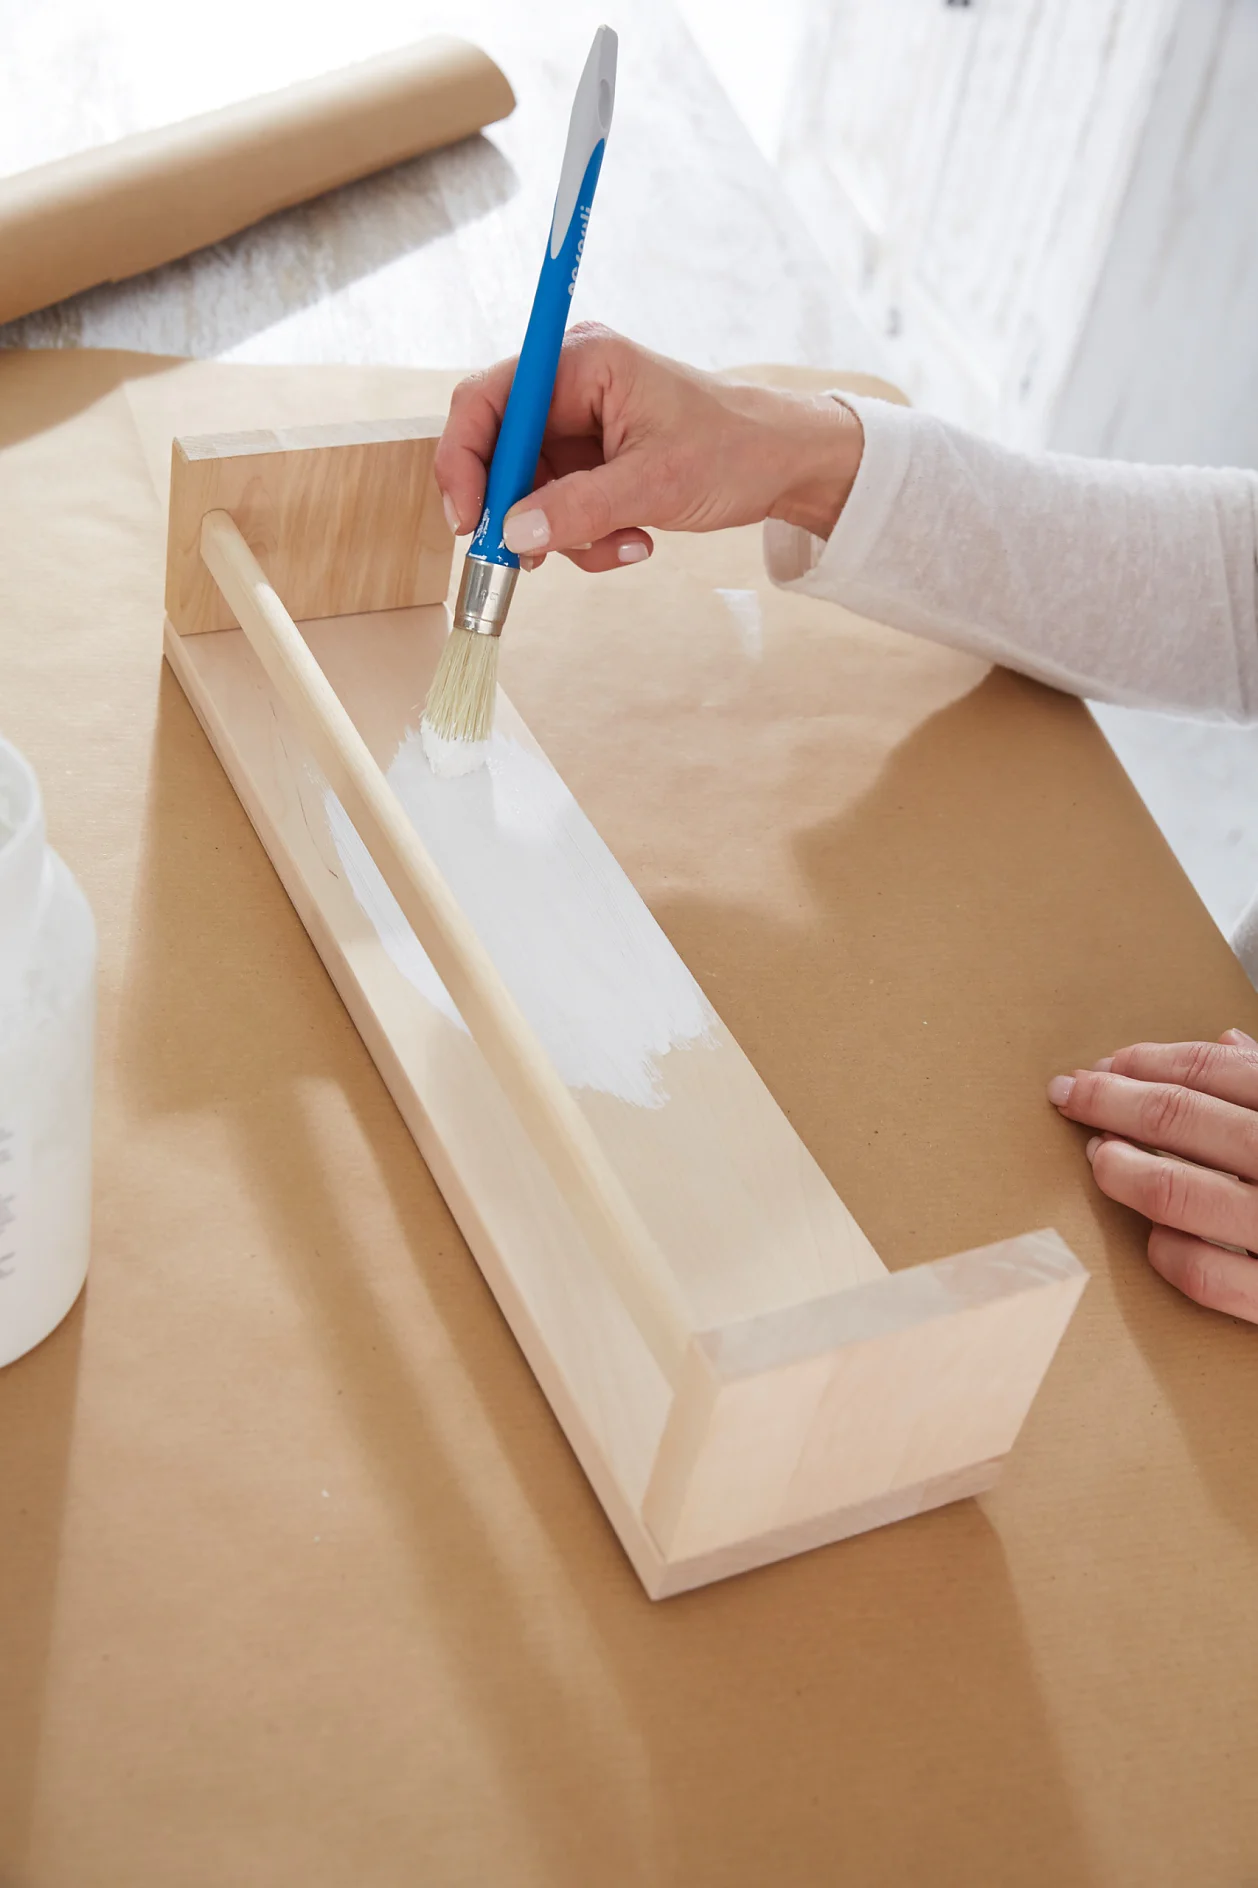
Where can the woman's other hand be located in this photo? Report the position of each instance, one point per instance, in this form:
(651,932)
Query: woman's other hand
(1178,1141)
(634,441)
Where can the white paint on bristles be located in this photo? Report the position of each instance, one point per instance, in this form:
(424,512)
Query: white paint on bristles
(583,957)
(744,607)
(450,758)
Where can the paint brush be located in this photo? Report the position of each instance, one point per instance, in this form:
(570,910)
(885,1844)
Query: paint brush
(459,713)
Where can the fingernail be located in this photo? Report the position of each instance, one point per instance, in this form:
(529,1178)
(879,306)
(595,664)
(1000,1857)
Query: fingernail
(1093,1144)
(1105,1064)
(452,516)
(526,531)
(632,553)
(1060,1090)
(1240,1036)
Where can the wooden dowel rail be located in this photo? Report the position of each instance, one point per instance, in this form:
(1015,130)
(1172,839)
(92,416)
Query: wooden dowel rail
(617,1236)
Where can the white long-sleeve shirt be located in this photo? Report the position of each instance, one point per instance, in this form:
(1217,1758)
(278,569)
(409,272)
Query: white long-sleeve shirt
(1125,583)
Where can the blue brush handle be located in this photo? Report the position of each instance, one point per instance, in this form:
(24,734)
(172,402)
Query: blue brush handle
(513,469)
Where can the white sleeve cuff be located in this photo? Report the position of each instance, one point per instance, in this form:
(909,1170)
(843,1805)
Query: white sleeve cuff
(795,559)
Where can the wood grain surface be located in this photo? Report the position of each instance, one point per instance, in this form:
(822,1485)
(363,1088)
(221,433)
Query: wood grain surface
(359,528)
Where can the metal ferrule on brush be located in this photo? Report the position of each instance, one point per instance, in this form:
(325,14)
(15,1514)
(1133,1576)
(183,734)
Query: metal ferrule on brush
(485,592)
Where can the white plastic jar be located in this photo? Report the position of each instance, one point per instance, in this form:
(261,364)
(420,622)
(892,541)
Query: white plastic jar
(47,1010)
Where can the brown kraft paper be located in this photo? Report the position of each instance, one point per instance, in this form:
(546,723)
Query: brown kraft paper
(299,1581)
(121,208)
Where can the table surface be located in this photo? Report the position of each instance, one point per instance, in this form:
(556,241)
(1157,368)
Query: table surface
(694,248)
(298,1580)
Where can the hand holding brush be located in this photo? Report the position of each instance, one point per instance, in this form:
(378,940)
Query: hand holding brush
(458,715)
(635,441)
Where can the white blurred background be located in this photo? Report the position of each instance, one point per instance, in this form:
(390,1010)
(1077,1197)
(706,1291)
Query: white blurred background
(1047,212)
(1037,216)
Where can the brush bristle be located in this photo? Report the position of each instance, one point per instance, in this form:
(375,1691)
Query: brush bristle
(459,713)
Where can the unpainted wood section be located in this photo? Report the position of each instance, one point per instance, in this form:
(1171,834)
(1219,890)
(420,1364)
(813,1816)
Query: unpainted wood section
(344,518)
(784,1231)
(838,1404)
(665,1578)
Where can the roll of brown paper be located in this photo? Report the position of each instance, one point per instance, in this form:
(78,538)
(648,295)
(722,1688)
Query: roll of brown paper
(122,208)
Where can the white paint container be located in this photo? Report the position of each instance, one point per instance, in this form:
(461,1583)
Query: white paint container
(47,1008)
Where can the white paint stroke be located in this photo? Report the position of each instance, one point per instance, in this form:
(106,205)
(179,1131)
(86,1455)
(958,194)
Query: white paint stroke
(744,607)
(366,881)
(600,983)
